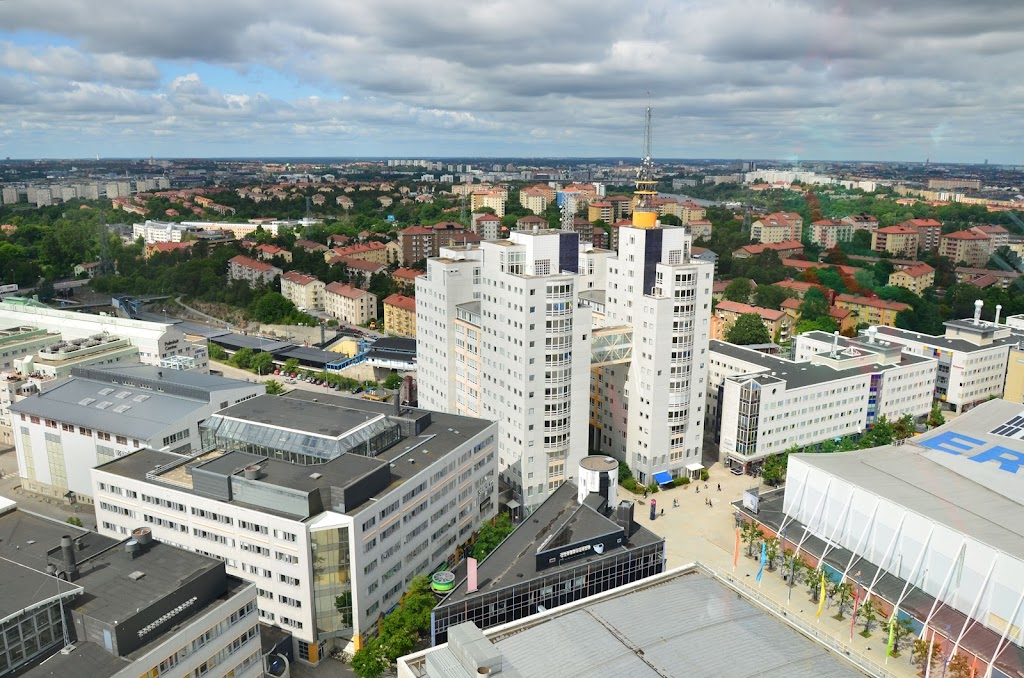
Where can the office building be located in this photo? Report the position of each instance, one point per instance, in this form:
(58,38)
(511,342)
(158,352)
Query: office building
(972,354)
(330,505)
(105,412)
(580,542)
(934,535)
(80,604)
(760,404)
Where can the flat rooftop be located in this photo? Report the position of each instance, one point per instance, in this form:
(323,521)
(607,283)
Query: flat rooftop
(679,624)
(310,417)
(561,516)
(936,479)
(802,374)
(941,341)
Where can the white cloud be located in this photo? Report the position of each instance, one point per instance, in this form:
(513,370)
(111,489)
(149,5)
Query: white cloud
(751,78)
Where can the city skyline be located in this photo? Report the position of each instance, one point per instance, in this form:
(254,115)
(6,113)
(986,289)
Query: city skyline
(786,80)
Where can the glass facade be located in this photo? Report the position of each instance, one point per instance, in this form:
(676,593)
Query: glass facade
(55,455)
(297,447)
(28,635)
(332,582)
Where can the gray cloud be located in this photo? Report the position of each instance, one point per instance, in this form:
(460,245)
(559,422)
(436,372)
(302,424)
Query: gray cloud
(751,78)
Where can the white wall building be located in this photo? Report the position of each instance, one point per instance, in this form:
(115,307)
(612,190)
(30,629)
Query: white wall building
(534,348)
(102,413)
(647,416)
(314,502)
(972,357)
(761,404)
(155,340)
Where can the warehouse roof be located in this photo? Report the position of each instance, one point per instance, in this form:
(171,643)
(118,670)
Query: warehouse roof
(962,475)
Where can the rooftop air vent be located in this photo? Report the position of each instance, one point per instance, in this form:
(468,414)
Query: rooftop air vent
(136,575)
(316,476)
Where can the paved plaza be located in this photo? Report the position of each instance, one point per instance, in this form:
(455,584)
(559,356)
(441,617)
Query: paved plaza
(694,531)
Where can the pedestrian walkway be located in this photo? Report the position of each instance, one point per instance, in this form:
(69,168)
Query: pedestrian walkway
(697,532)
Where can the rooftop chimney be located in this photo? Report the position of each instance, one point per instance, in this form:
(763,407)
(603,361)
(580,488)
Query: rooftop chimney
(999,309)
(978,303)
(67,548)
(835,343)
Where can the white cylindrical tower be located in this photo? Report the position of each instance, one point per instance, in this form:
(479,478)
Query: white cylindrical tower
(600,474)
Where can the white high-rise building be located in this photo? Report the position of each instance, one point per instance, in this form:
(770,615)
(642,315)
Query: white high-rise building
(502,333)
(649,411)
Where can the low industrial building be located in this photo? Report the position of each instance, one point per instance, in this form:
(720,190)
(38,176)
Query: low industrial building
(678,624)
(316,501)
(102,413)
(929,530)
(76,603)
(580,542)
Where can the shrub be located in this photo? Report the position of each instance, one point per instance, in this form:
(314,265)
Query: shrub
(704,475)
(630,485)
(680,482)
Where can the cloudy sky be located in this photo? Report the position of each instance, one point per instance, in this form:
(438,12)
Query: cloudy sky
(833,79)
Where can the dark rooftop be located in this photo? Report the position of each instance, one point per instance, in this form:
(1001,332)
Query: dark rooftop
(235,341)
(397,344)
(559,519)
(310,417)
(89,660)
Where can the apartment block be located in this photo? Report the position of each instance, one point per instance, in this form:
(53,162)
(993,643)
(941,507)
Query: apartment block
(828,233)
(899,240)
(871,310)
(487,226)
(349,304)
(400,315)
(305,291)
(778,323)
(997,235)
(534,199)
(534,348)
(916,278)
(329,505)
(969,248)
(777,227)
(761,404)
(105,412)
(929,233)
(252,271)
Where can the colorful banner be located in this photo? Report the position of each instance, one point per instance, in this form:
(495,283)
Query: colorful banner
(764,559)
(736,550)
(856,606)
(821,594)
(892,631)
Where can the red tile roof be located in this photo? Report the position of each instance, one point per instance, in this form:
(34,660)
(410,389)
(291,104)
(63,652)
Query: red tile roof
(407,274)
(873,302)
(416,230)
(918,270)
(298,278)
(965,235)
(776,246)
(359,264)
(359,248)
(345,290)
(488,217)
(171,246)
(737,307)
(249,262)
(896,230)
(401,301)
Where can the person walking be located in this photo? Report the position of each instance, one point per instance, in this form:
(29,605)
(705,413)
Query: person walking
(719,487)
(705,486)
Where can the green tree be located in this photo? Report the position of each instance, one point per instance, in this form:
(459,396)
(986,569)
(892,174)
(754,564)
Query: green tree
(751,534)
(242,358)
(771,551)
(868,613)
(262,362)
(770,296)
(274,387)
(843,593)
(924,653)
(901,629)
(747,329)
(738,290)
(271,308)
(491,534)
(959,666)
(880,434)
(814,305)
(369,661)
(291,365)
(904,427)
(813,579)
(773,470)
(217,352)
(393,382)
(935,417)
(75,520)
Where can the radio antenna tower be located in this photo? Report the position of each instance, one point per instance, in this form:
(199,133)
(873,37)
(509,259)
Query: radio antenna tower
(645,215)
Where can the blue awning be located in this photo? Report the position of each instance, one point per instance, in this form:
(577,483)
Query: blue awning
(663,477)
